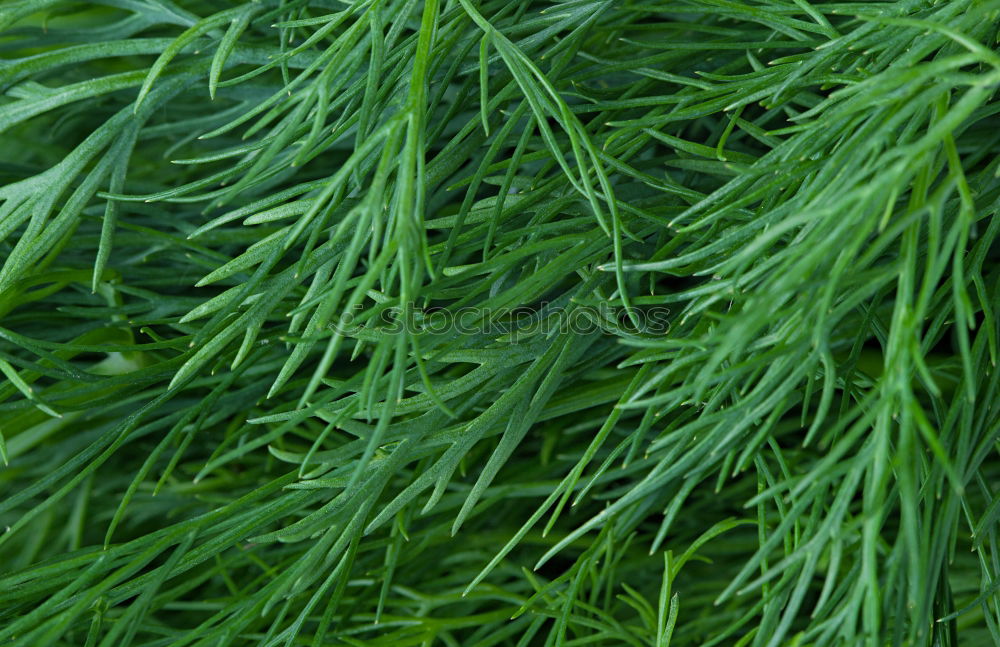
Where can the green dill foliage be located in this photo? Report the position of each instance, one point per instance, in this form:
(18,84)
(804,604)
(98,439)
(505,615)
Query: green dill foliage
(227,227)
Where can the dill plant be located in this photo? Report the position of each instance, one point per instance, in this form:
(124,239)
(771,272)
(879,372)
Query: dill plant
(221,224)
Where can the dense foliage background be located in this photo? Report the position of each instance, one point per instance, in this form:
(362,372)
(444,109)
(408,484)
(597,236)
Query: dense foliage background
(225,226)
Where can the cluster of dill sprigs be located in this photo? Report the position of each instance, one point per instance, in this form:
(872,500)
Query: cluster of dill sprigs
(224,226)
